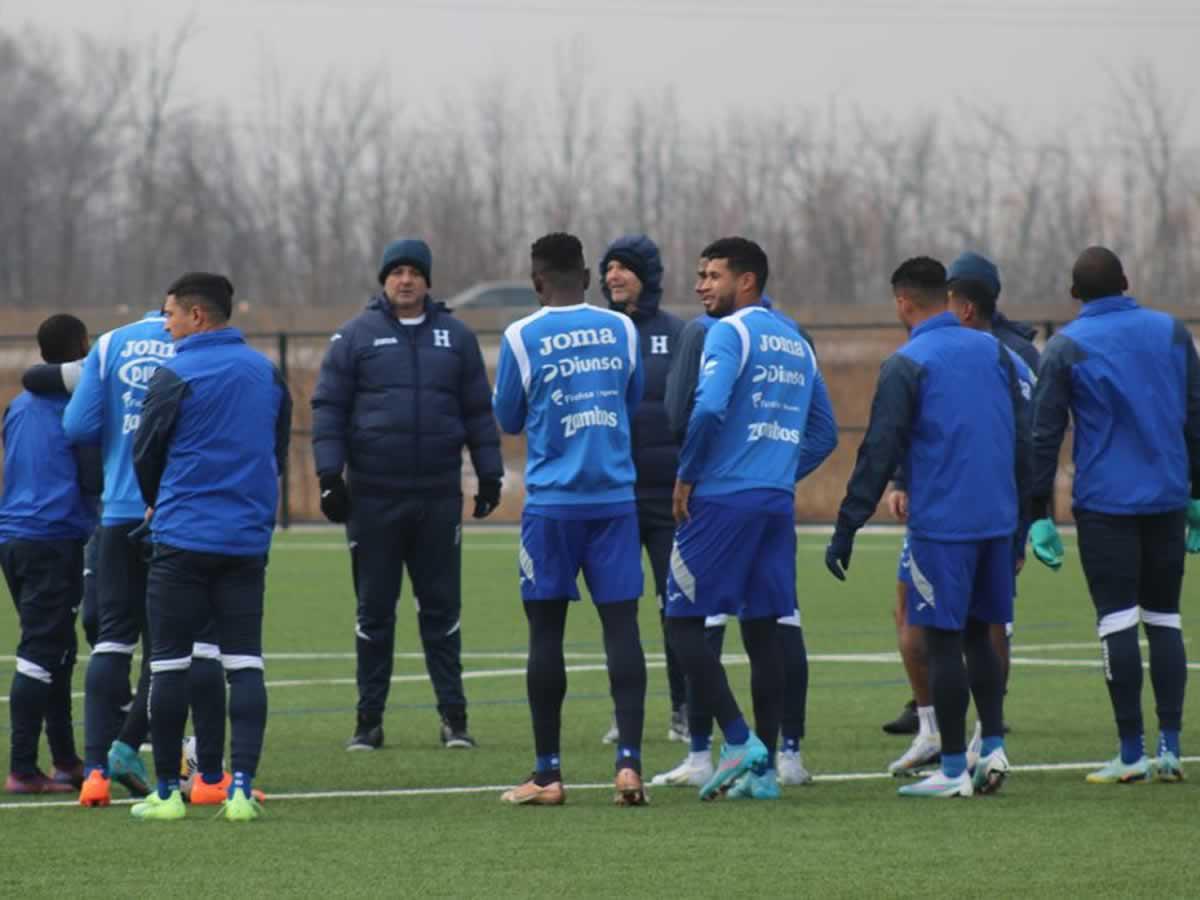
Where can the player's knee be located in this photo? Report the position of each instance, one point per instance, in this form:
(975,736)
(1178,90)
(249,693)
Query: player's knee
(1116,620)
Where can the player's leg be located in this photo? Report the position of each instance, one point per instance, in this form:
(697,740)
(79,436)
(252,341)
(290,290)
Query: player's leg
(790,635)
(124,762)
(206,683)
(1163,552)
(909,643)
(89,612)
(990,608)
(656,525)
(697,767)
(60,727)
(1110,551)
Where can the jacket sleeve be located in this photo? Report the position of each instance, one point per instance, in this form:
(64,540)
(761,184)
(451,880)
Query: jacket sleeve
(52,378)
(682,378)
(475,400)
(1051,414)
(89,464)
(820,430)
(1191,428)
(509,398)
(332,405)
(283,424)
(1023,450)
(722,365)
(152,440)
(636,388)
(83,420)
(885,443)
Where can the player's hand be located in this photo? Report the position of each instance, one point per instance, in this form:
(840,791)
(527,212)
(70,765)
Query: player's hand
(487,499)
(679,501)
(1193,530)
(837,554)
(335,499)
(897,504)
(1047,545)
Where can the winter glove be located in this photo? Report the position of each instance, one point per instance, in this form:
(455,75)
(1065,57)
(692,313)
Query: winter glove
(487,499)
(1193,521)
(837,554)
(1047,545)
(335,499)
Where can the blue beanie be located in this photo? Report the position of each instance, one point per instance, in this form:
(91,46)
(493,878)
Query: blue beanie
(973,267)
(407,252)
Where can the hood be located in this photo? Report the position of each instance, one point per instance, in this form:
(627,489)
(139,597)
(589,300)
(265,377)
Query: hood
(640,254)
(1025,330)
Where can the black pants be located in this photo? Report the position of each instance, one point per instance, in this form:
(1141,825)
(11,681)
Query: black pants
(656,525)
(424,535)
(1133,560)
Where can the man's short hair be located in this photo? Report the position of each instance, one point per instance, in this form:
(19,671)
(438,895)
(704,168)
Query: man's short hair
(741,255)
(1098,273)
(61,337)
(213,292)
(558,258)
(921,279)
(977,294)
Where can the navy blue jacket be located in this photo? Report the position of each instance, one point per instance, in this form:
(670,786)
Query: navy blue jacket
(948,409)
(213,438)
(1130,379)
(1017,337)
(395,404)
(655,446)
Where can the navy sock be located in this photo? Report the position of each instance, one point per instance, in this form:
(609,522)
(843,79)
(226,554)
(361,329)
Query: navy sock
(736,731)
(1123,673)
(1168,742)
(954,764)
(791,744)
(547,769)
(26,710)
(168,715)
(629,758)
(1133,748)
(1168,675)
(795,681)
(701,743)
(247,719)
(106,689)
(626,670)
(206,683)
(242,781)
(167,786)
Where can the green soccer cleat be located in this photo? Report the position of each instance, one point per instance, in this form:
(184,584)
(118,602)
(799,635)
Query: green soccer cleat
(154,808)
(240,808)
(753,786)
(736,760)
(940,785)
(1117,772)
(1167,768)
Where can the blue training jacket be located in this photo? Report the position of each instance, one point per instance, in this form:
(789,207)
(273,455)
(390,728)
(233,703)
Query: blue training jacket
(211,444)
(571,377)
(1130,380)
(762,417)
(43,499)
(106,407)
(948,410)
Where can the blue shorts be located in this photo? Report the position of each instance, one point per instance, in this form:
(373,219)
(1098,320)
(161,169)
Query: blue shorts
(607,550)
(731,560)
(947,582)
(903,576)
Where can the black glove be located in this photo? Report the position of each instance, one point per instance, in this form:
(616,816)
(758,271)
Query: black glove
(335,499)
(837,554)
(487,499)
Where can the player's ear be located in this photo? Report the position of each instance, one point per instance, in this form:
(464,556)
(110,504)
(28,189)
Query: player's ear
(1075,292)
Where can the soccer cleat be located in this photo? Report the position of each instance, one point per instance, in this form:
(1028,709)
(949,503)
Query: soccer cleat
(1117,772)
(455,737)
(736,759)
(71,777)
(990,772)
(975,747)
(1167,768)
(155,809)
(925,751)
(205,794)
(629,790)
(35,783)
(612,735)
(240,808)
(127,769)
(939,785)
(791,768)
(907,722)
(533,794)
(694,771)
(678,729)
(755,786)
(366,739)
(96,790)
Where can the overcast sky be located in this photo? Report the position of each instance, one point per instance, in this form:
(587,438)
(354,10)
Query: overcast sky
(1049,62)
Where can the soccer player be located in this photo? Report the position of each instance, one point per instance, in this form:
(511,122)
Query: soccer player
(402,390)
(697,768)
(948,409)
(47,512)
(761,421)
(570,376)
(631,274)
(1130,379)
(207,452)
(973,289)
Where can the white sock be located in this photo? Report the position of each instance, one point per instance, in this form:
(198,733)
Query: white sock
(928,721)
(700,757)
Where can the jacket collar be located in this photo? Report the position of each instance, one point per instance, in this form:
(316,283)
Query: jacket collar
(1117,303)
(941,320)
(227,335)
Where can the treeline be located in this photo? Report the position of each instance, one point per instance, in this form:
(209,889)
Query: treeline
(111,184)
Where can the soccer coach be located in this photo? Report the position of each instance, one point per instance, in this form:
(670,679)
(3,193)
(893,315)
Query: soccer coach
(402,389)
(212,441)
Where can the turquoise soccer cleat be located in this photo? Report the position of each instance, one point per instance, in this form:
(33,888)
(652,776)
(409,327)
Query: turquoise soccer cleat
(127,768)
(940,785)
(755,786)
(736,760)
(1117,772)
(1167,768)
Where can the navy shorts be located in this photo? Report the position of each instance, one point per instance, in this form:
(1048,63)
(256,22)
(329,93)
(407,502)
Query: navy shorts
(947,582)
(554,551)
(904,576)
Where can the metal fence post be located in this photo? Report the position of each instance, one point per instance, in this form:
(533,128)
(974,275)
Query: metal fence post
(285,511)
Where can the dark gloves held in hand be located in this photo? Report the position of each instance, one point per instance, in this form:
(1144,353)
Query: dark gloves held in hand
(335,499)
(837,554)
(487,499)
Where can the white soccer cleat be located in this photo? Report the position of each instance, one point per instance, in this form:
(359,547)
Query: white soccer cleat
(612,735)
(925,751)
(975,747)
(791,768)
(990,772)
(695,770)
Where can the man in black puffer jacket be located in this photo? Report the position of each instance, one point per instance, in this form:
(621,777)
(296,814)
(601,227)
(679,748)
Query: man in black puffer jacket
(631,273)
(402,390)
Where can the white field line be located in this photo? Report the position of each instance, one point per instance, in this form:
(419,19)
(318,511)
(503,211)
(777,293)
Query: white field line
(511,547)
(819,777)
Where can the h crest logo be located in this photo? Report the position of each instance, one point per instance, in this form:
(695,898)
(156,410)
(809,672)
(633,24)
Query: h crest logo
(441,337)
(658,345)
